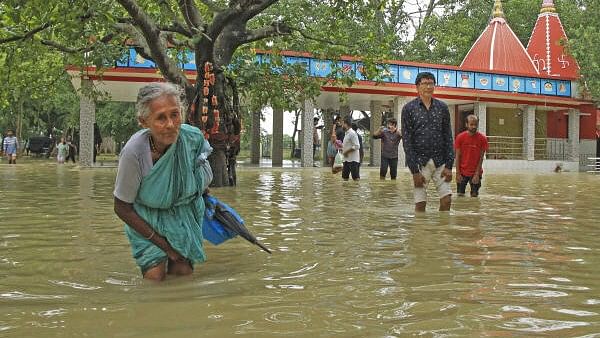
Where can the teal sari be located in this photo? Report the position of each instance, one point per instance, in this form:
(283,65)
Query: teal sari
(170,200)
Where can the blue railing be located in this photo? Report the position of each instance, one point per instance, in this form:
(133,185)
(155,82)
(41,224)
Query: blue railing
(398,73)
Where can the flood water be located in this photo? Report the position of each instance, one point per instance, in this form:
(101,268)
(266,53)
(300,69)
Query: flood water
(350,259)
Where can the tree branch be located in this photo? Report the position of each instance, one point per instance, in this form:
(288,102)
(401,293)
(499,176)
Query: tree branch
(72,50)
(27,34)
(275,29)
(154,43)
(191,15)
(256,9)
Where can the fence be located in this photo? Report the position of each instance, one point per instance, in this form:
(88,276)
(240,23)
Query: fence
(511,148)
(505,148)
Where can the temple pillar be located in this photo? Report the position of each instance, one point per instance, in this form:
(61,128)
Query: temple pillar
(277,150)
(376,120)
(308,114)
(529,133)
(574,135)
(255,137)
(87,117)
(480,110)
(398,104)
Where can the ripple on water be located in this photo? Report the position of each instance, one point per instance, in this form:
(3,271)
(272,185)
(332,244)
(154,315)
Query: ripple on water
(530,324)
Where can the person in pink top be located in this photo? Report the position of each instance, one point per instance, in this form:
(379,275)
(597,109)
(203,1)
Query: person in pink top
(470,146)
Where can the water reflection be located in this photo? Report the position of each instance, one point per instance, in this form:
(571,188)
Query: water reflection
(350,260)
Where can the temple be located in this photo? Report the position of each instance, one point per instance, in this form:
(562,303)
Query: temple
(528,100)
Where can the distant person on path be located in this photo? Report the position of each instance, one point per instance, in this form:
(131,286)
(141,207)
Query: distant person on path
(335,142)
(72,151)
(351,152)
(10,146)
(470,146)
(361,152)
(62,150)
(427,137)
(159,186)
(316,138)
(390,140)
(97,140)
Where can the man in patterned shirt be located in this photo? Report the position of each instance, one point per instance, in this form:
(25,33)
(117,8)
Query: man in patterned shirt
(427,136)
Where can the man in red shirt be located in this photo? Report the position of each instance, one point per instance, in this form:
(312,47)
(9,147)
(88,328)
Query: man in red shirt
(470,146)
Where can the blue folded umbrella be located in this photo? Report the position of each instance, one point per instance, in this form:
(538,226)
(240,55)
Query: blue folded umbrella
(222,222)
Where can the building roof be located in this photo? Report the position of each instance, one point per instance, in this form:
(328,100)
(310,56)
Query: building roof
(499,49)
(546,45)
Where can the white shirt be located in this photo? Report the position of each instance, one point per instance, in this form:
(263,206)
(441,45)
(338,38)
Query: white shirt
(351,142)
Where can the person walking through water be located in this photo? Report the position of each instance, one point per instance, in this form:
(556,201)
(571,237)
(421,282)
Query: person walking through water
(470,146)
(10,146)
(97,141)
(427,137)
(159,186)
(72,151)
(390,140)
(351,151)
(62,150)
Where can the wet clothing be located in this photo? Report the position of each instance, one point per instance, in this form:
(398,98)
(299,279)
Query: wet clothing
(470,151)
(10,145)
(427,134)
(461,186)
(392,163)
(167,195)
(351,168)
(432,173)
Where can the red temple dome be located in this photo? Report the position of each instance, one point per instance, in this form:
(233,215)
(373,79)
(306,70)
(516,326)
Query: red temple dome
(498,49)
(546,45)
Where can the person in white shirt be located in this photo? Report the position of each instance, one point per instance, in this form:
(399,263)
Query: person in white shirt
(351,151)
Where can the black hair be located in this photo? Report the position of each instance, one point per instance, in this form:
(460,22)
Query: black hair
(348,120)
(354,126)
(424,75)
(393,121)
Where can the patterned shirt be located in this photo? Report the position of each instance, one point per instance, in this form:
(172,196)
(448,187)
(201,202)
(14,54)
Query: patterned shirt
(10,145)
(427,134)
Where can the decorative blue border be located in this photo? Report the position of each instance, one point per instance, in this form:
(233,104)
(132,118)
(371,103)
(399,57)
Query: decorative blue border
(403,74)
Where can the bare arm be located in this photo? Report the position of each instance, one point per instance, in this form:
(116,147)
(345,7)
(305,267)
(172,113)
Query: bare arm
(128,215)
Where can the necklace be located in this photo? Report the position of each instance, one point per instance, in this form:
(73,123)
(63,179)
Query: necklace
(153,146)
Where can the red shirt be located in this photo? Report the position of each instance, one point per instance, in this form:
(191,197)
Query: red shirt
(470,151)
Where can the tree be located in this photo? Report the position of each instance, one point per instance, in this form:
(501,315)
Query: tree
(93,32)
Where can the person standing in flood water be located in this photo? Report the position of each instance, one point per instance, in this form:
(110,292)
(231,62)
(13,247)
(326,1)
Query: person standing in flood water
(159,186)
(470,146)
(351,151)
(10,146)
(427,137)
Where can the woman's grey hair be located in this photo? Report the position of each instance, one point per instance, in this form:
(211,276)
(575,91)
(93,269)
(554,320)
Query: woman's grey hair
(152,91)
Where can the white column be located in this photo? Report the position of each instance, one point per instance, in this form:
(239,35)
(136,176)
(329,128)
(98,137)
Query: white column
(277,150)
(529,133)
(307,134)
(255,137)
(480,110)
(87,117)
(574,134)
(399,103)
(375,151)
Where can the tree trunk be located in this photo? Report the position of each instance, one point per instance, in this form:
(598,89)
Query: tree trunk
(212,109)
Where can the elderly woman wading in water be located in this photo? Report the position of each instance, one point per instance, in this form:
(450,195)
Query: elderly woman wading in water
(159,186)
